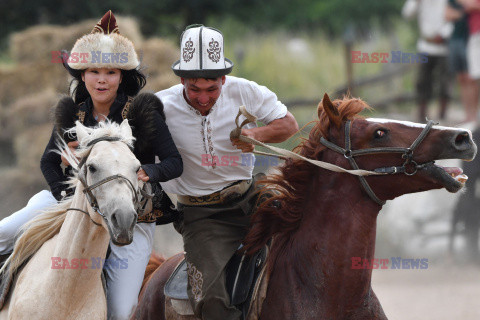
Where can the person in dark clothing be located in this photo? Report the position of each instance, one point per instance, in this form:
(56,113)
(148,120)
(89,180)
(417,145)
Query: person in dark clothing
(107,90)
(434,32)
(467,211)
(457,58)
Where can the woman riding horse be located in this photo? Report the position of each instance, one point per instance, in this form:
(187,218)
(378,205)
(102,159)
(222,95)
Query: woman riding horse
(106,81)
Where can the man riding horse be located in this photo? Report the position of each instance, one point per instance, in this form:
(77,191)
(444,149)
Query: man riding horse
(215,187)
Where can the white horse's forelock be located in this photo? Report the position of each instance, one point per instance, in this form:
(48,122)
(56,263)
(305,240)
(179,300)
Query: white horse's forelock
(103,129)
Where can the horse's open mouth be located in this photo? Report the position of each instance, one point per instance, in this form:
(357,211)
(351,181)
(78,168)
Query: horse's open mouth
(452,178)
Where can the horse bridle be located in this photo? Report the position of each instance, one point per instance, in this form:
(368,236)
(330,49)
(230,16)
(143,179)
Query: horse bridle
(409,166)
(88,189)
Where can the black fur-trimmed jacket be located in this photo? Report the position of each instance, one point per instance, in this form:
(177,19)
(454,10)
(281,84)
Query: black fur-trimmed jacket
(147,119)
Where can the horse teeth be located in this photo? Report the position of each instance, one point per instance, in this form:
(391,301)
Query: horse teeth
(462,178)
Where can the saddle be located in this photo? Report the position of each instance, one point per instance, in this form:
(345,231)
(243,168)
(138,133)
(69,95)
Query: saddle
(243,274)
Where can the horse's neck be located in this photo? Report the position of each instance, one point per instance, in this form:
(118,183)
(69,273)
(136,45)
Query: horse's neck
(339,224)
(79,238)
(339,228)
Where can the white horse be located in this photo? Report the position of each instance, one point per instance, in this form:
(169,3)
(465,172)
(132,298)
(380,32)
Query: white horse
(59,280)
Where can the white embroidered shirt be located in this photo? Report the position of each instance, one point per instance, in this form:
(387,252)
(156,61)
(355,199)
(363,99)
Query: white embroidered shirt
(210,162)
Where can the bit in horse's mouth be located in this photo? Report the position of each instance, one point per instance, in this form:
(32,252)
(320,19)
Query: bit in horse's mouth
(452,178)
(456,173)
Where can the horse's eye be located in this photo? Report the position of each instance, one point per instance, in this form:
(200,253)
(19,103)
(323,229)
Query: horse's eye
(92,168)
(380,133)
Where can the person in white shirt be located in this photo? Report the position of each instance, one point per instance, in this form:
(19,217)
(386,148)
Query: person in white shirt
(434,33)
(215,191)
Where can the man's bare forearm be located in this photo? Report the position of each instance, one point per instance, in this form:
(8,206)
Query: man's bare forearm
(276,131)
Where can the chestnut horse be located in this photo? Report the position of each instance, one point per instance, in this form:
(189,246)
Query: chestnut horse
(327,218)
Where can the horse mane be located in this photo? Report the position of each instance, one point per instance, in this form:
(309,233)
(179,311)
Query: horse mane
(47,224)
(290,186)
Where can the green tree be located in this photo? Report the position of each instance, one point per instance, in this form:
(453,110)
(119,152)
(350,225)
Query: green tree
(169,17)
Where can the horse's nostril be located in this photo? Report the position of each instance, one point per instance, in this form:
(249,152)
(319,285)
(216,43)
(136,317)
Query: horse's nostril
(134,221)
(114,220)
(462,138)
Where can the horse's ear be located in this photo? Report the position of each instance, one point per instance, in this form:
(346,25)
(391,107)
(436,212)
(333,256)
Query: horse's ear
(331,111)
(126,129)
(81,131)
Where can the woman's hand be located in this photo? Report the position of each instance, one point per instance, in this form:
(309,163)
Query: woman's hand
(72,146)
(142,175)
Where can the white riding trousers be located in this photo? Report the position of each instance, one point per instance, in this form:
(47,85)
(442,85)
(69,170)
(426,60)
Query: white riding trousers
(124,283)
(10,226)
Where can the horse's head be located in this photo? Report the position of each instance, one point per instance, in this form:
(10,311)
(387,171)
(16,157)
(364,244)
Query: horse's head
(107,173)
(404,152)
(398,156)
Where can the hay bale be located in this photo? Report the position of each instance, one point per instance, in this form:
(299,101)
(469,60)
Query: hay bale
(161,82)
(33,110)
(17,187)
(130,28)
(30,145)
(36,44)
(158,55)
(30,78)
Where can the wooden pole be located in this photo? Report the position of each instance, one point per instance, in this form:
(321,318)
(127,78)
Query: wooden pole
(349,67)
(348,39)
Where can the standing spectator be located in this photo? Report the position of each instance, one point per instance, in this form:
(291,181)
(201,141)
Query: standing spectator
(472,7)
(434,33)
(469,89)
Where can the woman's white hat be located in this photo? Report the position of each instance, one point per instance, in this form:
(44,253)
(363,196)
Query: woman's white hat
(202,54)
(104,47)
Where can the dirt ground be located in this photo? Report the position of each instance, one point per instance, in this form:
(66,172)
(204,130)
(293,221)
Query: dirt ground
(441,292)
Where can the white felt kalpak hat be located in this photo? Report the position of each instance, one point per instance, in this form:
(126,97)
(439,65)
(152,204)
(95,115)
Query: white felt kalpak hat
(104,47)
(201,54)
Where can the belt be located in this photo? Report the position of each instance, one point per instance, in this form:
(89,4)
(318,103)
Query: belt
(435,40)
(224,196)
